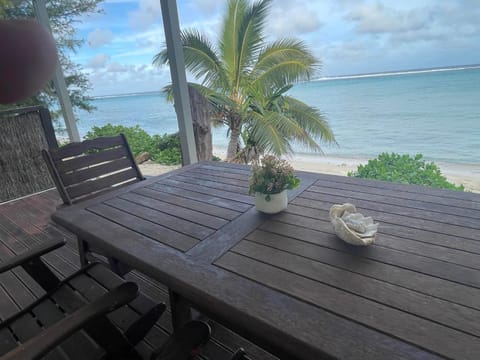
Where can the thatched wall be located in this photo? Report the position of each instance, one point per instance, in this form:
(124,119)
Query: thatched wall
(22,169)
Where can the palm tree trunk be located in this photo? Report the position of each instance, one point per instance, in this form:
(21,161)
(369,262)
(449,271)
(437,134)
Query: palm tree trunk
(234,137)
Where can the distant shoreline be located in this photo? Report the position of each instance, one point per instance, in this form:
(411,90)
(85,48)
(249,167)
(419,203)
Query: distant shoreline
(326,78)
(399,72)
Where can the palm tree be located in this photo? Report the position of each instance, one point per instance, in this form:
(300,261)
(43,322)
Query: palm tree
(246,80)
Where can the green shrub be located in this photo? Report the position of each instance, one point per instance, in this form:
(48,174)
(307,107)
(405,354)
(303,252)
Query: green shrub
(404,169)
(163,149)
(169,150)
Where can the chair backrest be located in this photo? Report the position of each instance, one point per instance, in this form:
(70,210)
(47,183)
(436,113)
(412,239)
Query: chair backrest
(24,132)
(84,169)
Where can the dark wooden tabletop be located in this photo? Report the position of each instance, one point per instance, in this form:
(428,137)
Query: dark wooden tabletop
(286,281)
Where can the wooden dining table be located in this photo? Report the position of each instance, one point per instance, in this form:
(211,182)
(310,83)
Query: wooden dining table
(286,281)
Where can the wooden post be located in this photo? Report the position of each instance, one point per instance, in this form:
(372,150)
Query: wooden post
(58,79)
(179,80)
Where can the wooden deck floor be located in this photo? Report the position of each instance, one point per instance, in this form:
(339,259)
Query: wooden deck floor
(26,222)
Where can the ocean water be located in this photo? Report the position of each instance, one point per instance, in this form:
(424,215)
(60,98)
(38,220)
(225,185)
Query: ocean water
(435,113)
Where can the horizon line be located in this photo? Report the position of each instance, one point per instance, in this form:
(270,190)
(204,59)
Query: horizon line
(400,72)
(332,77)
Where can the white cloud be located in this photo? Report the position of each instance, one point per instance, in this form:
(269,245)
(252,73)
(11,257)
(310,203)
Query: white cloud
(128,78)
(116,67)
(148,13)
(377,18)
(99,37)
(293,22)
(208,6)
(98,61)
(292,18)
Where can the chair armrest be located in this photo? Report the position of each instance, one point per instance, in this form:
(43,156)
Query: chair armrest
(44,342)
(32,253)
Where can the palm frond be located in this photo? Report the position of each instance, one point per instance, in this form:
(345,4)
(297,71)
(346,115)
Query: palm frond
(284,62)
(201,59)
(161,58)
(310,119)
(250,38)
(228,43)
(242,38)
(273,131)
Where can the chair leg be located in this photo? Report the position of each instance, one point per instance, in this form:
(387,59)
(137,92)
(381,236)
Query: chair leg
(117,266)
(185,343)
(181,312)
(82,251)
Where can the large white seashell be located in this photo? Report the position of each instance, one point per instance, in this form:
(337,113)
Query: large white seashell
(351,226)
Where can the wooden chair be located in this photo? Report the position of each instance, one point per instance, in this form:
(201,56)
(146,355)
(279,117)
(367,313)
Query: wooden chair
(92,314)
(85,169)
(89,168)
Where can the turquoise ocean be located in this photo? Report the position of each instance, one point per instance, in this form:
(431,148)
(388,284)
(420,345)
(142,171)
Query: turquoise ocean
(432,112)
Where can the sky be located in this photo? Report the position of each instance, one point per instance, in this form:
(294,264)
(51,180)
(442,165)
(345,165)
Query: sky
(348,36)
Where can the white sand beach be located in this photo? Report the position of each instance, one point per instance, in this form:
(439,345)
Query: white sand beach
(466,174)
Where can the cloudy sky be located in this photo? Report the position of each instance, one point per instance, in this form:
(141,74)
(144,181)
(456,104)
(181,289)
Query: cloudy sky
(349,36)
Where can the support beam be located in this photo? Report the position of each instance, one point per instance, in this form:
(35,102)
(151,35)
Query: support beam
(58,79)
(179,80)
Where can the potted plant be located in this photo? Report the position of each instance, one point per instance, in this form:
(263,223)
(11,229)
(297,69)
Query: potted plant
(269,181)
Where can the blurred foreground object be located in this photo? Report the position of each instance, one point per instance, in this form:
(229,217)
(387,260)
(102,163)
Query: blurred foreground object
(28,58)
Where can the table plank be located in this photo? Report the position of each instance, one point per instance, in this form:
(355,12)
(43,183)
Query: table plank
(151,230)
(473,200)
(402,231)
(406,326)
(430,266)
(224,178)
(207,190)
(184,213)
(201,197)
(439,203)
(341,257)
(407,244)
(189,203)
(428,307)
(172,222)
(399,216)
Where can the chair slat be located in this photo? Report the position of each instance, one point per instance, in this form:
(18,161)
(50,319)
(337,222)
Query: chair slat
(25,327)
(90,187)
(95,171)
(7,341)
(74,149)
(142,304)
(78,346)
(90,159)
(92,166)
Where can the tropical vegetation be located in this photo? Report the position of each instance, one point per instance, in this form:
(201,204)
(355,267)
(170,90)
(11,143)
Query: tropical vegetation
(404,169)
(64,17)
(163,149)
(246,79)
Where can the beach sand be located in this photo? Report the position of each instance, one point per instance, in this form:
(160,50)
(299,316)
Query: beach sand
(465,174)
(468,175)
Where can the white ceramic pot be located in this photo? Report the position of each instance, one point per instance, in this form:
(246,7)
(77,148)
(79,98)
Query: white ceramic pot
(274,204)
